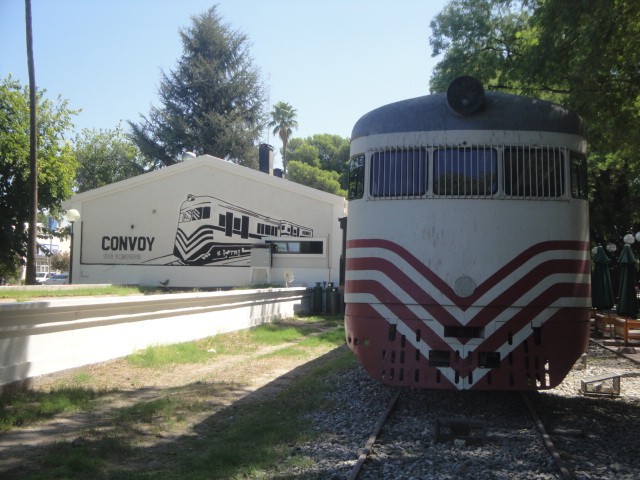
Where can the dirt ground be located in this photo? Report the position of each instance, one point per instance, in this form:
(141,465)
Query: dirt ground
(219,383)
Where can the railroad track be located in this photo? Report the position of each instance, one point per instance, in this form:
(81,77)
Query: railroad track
(596,435)
(440,434)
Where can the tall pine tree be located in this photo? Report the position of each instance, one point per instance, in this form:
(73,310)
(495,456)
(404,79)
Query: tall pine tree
(212,103)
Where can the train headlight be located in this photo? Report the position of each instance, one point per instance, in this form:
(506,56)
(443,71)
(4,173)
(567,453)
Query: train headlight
(465,95)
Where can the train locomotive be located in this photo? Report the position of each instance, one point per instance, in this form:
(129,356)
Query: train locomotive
(467,255)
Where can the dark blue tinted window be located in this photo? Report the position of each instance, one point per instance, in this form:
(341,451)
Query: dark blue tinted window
(399,173)
(465,171)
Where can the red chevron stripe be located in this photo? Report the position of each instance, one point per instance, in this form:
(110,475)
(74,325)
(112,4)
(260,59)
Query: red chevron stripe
(487,314)
(507,298)
(493,280)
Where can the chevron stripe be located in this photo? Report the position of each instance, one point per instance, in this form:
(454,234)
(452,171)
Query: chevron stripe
(379,251)
(188,244)
(530,290)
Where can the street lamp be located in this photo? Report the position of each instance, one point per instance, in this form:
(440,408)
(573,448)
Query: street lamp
(72,216)
(611,247)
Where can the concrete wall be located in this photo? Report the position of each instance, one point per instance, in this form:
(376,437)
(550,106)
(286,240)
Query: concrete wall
(37,338)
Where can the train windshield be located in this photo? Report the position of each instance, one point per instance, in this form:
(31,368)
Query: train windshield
(356,177)
(198,213)
(533,172)
(465,171)
(399,172)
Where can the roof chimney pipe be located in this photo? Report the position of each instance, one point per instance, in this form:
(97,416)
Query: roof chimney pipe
(265,158)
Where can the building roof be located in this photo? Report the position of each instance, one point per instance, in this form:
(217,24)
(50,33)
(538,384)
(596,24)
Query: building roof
(195,163)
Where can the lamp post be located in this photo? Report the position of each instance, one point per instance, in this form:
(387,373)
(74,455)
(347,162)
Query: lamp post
(72,216)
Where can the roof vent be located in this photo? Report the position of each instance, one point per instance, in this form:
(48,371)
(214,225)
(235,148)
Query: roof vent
(465,95)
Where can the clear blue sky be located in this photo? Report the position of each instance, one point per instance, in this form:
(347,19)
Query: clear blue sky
(332,60)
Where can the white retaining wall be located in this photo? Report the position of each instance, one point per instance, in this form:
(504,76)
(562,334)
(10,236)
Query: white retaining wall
(37,338)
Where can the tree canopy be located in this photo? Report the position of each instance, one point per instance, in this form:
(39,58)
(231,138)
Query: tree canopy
(56,165)
(212,103)
(325,180)
(582,54)
(106,156)
(323,151)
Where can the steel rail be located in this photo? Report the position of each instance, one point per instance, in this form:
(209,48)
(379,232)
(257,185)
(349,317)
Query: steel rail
(548,443)
(374,436)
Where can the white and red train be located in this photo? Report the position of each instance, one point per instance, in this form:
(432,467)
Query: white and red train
(467,254)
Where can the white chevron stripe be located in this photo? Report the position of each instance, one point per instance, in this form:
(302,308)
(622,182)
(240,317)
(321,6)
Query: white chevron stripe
(465,316)
(448,372)
(440,298)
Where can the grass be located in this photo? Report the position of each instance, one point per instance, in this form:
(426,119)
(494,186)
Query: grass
(27,294)
(180,353)
(27,407)
(260,437)
(270,334)
(252,439)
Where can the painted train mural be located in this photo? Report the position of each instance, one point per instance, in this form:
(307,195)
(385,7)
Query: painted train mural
(211,230)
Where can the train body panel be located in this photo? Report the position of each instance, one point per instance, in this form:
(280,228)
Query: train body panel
(467,256)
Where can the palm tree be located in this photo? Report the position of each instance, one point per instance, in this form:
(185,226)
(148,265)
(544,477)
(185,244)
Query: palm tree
(283,121)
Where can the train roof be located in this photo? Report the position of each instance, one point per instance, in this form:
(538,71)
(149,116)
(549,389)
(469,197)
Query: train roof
(497,111)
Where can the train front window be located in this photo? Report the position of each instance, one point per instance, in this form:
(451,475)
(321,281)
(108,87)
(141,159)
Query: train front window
(356,177)
(399,172)
(198,213)
(465,171)
(533,172)
(579,186)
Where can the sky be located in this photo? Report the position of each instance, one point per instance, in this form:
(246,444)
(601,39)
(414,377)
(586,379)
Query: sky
(332,60)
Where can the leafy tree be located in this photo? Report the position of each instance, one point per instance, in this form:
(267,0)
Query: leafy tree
(300,150)
(283,121)
(325,151)
(325,180)
(60,261)
(588,52)
(611,209)
(582,54)
(56,164)
(212,103)
(482,38)
(106,156)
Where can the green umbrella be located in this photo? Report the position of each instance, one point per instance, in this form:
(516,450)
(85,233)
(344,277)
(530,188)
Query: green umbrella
(601,290)
(628,302)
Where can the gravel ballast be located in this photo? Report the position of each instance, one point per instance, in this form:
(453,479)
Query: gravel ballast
(595,435)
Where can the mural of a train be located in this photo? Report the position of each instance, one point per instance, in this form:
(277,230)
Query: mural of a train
(467,254)
(211,230)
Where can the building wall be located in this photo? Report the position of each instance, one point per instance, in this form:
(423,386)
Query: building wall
(192,225)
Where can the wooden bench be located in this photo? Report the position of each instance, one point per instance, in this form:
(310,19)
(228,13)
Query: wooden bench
(605,322)
(627,329)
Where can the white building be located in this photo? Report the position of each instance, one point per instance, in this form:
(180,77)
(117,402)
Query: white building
(193,224)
